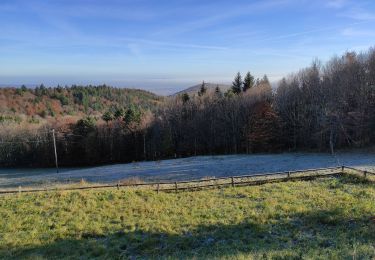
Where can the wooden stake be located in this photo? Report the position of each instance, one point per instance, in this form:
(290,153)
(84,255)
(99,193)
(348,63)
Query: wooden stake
(54,146)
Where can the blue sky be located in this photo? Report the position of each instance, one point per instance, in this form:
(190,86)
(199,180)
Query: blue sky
(165,46)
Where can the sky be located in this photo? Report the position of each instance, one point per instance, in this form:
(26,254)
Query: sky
(165,46)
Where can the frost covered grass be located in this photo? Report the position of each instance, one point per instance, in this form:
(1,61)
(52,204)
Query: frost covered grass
(183,169)
(330,218)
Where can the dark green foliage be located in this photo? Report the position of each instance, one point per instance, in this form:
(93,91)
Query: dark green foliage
(202,90)
(133,115)
(237,84)
(19,92)
(40,91)
(85,126)
(64,100)
(7,119)
(185,97)
(107,116)
(229,93)
(248,82)
(119,113)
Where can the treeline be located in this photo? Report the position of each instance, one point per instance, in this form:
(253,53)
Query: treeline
(320,108)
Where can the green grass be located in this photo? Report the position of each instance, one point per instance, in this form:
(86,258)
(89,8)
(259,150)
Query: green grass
(321,219)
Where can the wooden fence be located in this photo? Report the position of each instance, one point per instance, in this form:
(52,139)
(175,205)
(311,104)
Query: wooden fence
(364,173)
(232,181)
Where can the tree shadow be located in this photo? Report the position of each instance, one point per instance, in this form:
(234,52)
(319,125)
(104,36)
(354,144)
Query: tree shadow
(316,234)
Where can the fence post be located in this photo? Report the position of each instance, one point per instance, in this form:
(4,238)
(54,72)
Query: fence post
(118,185)
(342,168)
(288,174)
(19,189)
(232,181)
(175,186)
(157,189)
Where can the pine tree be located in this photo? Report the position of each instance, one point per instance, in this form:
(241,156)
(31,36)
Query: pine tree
(203,89)
(119,113)
(185,98)
(237,84)
(107,116)
(248,82)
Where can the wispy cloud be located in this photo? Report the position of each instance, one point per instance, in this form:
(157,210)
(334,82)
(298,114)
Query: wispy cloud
(357,10)
(108,10)
(337,3)
(212,19)
(355,32)
(359,14)
(173,44)
(307,32)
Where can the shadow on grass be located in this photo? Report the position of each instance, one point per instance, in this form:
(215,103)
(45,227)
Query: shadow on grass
(319,234)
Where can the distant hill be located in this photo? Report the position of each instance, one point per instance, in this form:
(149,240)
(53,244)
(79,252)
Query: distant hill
(43,104)
(210,88)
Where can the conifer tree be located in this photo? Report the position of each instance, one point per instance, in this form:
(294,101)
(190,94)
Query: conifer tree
(185,98)
(107,116)
(218,92)
(203,89)
(248,82)
(237,84)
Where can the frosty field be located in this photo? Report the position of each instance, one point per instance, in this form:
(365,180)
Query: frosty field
(185,168)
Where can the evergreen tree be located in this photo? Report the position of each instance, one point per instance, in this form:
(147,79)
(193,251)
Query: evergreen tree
(237,84)
(119,113)
(85,126)
(107,116)
(265,80)
(203,89)
(218,92)
(185,97)
(132,118)
(248,82)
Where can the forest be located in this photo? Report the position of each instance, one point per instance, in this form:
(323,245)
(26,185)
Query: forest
(322,108)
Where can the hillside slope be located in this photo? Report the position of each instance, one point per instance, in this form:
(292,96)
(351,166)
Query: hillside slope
(209,86)
(44,104)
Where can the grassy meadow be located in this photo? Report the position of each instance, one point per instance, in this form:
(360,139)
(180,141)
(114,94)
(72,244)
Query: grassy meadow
(330,218)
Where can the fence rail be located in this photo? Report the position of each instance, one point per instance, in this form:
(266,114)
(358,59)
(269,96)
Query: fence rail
(242,180)
(364,172)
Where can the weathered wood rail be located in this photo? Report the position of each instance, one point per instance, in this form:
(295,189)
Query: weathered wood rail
(365,173)
(231,181)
